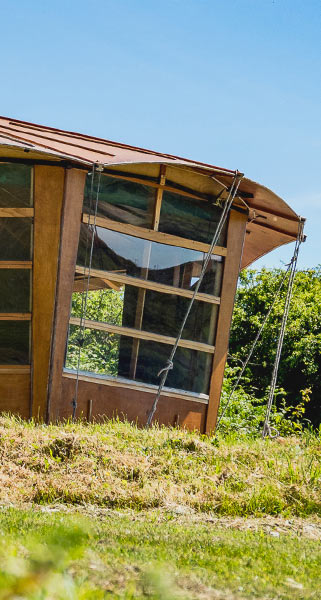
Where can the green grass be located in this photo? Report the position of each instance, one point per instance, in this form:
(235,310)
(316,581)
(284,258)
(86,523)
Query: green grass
(113,511)
(64,556)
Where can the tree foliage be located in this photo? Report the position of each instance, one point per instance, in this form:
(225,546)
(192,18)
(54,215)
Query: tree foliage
(300,366)
(99,350)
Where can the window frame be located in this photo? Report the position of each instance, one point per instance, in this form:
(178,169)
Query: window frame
(143,284)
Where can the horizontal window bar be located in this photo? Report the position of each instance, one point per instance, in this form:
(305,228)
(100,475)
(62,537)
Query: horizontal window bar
(15,264)
(142,335)
(150,234)
(16,212)
(146,284)
(14,369)
(15,316)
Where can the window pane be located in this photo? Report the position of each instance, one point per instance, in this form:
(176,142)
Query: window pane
(189,218)
(15,185)
(15,290)
(14,342)
(111,354)
(191,370)
(121,200)
(129,255)
(99,351)
(15,238)
(147,310)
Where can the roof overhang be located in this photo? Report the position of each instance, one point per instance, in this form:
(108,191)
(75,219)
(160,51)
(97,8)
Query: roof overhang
(272,222)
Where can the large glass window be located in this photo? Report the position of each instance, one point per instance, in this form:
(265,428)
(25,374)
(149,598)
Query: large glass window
(107,353)
(190,218)
(15,185)
(121,200)
(14,342)
(145,310)
(136,257)
(134,292)
(15,238)
(15,290)
(15,263)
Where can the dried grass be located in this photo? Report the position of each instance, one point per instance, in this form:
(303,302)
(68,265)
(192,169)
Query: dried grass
(118,465)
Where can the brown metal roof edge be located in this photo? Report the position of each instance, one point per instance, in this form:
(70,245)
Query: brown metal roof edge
(276,196)
(117,144)
(283,243)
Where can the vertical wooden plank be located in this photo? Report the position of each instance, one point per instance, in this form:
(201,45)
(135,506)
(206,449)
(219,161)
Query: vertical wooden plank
(235,242)
(159,197)
(144,273)
(71,221)
(48,197)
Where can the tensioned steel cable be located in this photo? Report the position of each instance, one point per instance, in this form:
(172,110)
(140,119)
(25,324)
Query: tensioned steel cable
(267,429)
(169,364)
(257,337)
(99,169)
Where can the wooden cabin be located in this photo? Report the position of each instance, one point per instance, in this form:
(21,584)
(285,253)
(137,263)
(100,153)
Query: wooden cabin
(101,247)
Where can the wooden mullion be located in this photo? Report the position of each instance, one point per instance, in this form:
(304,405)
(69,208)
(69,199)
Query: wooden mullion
(148,285)
(159,197)
(144,273)
(154,184)
(143,335)
(150,234)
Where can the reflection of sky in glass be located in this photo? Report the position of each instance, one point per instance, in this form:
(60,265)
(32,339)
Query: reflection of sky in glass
(149,254)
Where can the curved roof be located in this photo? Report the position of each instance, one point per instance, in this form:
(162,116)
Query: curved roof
(272,222)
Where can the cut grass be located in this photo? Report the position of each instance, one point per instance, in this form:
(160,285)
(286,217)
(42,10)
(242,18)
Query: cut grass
(118,465)
(152,555)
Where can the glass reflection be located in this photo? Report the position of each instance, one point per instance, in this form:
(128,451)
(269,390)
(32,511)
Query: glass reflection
(15,290)
(121,200)
(190,218)
(145,310)
(129,255)
(15,238)
(14,342)
(111,354)
(15,185)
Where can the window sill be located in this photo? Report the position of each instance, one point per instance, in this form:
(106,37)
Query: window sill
(134,385)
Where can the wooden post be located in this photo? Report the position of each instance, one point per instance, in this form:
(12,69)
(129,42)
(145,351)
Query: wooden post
(235,242)
(70,229)
(48,198)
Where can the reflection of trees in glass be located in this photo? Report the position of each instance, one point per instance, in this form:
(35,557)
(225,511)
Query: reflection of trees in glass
(99,351)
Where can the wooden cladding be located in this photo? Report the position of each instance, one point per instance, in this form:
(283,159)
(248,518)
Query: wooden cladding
(142,335)
(71,220)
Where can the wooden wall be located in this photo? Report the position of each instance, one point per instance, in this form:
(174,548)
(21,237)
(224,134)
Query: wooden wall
(48,200)
(15,384)
(96,400)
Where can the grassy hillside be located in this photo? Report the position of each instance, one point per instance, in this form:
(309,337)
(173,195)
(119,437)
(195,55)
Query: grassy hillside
(120,466)
(113,511)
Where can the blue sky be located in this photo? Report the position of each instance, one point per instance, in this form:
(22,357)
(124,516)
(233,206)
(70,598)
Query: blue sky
(236,83)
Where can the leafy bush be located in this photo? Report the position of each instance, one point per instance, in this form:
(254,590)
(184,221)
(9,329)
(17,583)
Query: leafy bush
(244,413)
(99,350)
(300,367)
